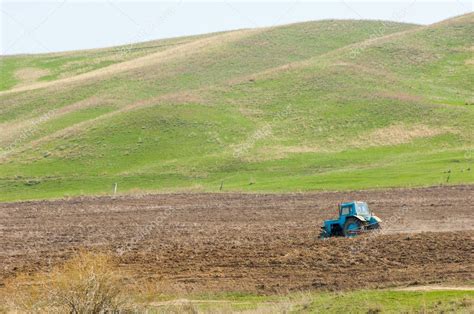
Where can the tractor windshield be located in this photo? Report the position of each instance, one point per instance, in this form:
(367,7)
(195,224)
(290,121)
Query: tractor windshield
(362,209)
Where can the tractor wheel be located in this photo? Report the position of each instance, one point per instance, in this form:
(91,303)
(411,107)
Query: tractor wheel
(351,226)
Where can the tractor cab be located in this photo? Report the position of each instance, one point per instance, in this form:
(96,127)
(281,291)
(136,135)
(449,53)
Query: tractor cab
(354,218)
(354,209)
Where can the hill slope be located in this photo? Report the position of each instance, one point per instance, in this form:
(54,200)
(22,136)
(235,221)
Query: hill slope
(319,105)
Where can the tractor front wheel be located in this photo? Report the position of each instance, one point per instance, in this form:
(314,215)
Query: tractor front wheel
(352,226)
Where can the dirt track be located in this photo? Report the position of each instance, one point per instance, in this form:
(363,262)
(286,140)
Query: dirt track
(251,242)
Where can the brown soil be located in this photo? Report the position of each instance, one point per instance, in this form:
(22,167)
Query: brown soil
(253,242)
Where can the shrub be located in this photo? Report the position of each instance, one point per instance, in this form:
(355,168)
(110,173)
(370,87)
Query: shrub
(88,283)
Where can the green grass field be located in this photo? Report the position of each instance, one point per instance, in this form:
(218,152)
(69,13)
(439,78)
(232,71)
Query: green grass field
(362,301)
(327,105)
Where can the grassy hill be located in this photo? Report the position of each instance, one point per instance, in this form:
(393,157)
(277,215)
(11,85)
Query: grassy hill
(308,106)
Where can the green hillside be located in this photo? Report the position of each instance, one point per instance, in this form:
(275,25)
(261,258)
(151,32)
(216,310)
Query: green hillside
(308,106)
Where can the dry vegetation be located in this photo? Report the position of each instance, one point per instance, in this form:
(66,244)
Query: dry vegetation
(399,134)
(87,283)
(28,76)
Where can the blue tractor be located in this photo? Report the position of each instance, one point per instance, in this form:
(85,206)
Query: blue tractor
(354,218)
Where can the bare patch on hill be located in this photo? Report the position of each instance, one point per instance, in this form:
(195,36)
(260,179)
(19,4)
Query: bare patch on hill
(404,97)
(368,69)
(300,149)
(280,152)
(29,75)
(398,134)
(182,98)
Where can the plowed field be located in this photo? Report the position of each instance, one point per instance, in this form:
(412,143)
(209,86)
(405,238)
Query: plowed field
(252,242)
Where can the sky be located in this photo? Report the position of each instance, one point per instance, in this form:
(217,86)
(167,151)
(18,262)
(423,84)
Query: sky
(61,25)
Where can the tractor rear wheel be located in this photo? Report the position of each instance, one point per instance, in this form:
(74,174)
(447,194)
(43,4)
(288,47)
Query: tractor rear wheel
(351,227)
